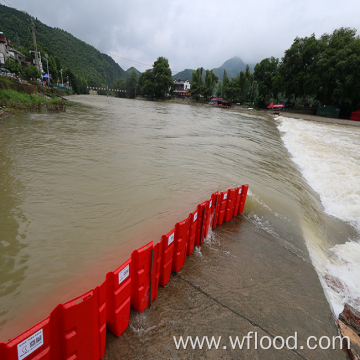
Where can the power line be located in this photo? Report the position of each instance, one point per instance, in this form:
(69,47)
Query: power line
(6,3)
(138,63)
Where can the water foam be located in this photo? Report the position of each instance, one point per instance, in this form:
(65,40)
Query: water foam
(328,157)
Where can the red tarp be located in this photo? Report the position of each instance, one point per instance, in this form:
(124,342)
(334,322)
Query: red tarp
(272,106)
(355,115)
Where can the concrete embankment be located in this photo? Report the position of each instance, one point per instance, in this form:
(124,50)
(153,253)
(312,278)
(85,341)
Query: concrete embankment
(270,292)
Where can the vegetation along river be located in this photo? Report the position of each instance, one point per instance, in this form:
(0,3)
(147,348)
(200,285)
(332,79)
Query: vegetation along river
(80,190)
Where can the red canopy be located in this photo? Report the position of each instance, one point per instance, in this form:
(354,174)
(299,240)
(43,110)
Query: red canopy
(355,115)
(271,106)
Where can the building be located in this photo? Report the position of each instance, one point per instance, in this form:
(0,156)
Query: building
(182,87)
(8,52)
(3,48)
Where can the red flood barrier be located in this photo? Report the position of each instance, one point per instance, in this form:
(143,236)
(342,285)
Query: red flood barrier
(140,268)
(180,245)
(202,212)
(74,330)
(230,205)
(155,271)
(193,222)
(244,191)
(167,252)
(118,287)
(237,200)
(210,213)
(35,343)
(221,207)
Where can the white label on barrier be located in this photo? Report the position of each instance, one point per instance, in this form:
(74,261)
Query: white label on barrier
(171,239)
(29,345)
(240,190)
(124,273)
(225,196)
(210,205)
(195,217)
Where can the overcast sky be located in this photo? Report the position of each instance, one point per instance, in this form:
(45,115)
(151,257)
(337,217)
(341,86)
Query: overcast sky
(192,33)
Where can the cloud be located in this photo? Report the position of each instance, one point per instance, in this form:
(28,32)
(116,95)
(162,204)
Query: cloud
(192,33)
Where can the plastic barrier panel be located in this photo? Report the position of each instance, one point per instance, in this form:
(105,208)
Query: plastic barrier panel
(156,266)
(118,287)
(210,213)
(35,343)
(222,207)
(140,269)
(202,209)
(231,200)
(193,222)
(180,244)
(167,253)
(244,191)
(74,330)
(81,324)
(216,211)
(237,200)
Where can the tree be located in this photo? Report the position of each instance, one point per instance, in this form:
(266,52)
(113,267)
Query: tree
(326,69)
(53,70)
(32,72)
(219,89)
(162,77)
(146,83)
(210,83)
(197,83)
(265,74)
(295,68)
(225,84)
(119,84)
(131,84)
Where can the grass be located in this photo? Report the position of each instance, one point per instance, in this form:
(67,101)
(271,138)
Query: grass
(15,100)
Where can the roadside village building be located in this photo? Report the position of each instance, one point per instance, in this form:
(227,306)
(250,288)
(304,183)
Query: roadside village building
(8,52)
(182,87)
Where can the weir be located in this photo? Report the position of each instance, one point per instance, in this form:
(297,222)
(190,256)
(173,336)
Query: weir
(77,328)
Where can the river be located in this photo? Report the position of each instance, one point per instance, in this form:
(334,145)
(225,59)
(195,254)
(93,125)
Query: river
(81,189)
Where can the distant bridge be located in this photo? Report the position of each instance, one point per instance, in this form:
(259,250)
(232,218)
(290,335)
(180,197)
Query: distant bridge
(102,88)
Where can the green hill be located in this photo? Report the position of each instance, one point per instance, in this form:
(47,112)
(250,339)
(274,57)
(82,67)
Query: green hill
(83,59)
(232,66)
(130,70)
(184,75)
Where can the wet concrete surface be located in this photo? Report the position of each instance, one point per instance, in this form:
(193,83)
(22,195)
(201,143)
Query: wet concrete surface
(242,282)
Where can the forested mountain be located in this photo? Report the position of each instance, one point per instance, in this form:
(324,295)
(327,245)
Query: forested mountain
(130,70)
(184,75)
(232,66)
(83,59)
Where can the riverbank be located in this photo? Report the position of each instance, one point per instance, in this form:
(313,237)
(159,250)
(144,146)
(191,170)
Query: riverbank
(319,119)
(269,292)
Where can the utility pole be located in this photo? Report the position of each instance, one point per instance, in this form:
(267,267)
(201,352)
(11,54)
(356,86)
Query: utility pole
(33,30)
(47,65)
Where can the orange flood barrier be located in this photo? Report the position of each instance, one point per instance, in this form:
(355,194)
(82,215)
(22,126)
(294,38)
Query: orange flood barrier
(76,330)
